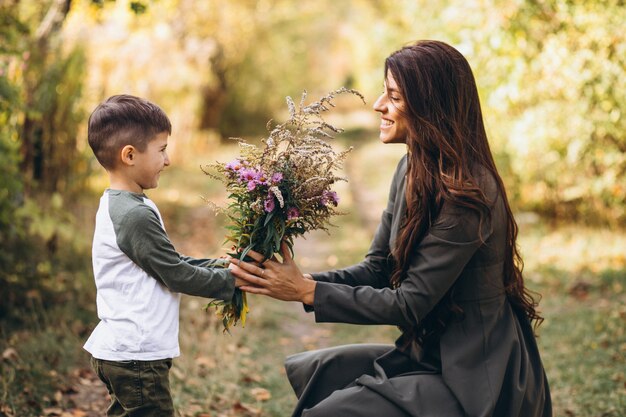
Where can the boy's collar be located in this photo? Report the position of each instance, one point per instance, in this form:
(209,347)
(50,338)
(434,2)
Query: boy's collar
(117,191)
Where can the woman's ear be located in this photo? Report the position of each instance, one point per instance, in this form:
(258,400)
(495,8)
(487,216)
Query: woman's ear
(127,155)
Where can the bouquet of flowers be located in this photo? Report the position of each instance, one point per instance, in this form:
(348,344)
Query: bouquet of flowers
(281,190)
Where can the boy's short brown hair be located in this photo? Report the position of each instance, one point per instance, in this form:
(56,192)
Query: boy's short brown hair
(124,120)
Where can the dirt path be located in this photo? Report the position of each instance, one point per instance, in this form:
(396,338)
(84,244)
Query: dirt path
(316,250)
(85,397)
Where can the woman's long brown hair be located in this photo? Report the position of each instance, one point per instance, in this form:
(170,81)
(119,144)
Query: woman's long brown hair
(446,143)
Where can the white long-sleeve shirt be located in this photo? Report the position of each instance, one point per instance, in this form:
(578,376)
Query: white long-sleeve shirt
(139,277)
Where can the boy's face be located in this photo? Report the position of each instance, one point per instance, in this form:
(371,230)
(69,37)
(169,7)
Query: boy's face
(150,162)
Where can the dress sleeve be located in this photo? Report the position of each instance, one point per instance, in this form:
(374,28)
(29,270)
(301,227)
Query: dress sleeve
(375,269)
(437,262)
(141,237)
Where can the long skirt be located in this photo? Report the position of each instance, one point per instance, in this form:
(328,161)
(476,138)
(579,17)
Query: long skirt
(366,380)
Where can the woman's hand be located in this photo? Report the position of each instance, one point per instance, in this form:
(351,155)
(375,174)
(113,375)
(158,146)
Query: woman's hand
(280,280)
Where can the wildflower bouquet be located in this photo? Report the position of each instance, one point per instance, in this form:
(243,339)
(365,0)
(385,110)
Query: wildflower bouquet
(281,190)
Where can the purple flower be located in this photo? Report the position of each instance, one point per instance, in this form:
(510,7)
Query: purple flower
(293,213)
(248,175)
(261,178)
(277,177)
(330,197)
(251,185)
(269,204)
(235,165)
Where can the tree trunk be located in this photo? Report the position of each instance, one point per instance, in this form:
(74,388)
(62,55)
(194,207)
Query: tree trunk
(32,146)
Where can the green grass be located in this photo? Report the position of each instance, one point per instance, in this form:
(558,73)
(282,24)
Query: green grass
(583,342)
(38,356)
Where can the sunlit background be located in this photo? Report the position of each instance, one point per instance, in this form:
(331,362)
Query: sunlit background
(552,80)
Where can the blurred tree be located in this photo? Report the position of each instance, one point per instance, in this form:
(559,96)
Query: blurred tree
(47,148)
(232,62)
(262,62)
(552,75)
(566,96)
(10,179)
(550,72)
(41,80)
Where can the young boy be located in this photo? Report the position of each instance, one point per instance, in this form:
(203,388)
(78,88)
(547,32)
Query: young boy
(139,275)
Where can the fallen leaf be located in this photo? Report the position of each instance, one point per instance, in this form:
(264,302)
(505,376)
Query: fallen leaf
(206,362)
(52,411)
(58,396)
(6,410)
(260,394)
(84,373)
(252,378)
(10,355)
(244,350)
(580,289)
(246,409)
(85,381)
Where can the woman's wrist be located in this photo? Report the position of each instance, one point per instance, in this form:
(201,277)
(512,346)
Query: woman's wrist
(308,292)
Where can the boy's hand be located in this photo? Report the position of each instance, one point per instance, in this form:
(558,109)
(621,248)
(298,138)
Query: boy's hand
(280,280)
(239,282)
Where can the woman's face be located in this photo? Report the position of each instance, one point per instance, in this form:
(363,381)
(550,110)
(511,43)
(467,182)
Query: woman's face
(391,105)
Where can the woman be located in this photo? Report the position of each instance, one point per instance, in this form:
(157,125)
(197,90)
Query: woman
(443,267)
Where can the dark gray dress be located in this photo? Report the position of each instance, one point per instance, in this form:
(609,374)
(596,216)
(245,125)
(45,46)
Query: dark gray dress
(487,364)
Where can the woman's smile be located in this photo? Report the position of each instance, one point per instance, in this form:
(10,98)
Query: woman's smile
(385,123)
(393,123)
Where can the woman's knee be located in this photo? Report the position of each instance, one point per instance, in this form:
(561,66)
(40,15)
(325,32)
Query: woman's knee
(357,353)
(322,371)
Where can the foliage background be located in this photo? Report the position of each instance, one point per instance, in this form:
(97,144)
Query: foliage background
(551,75)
